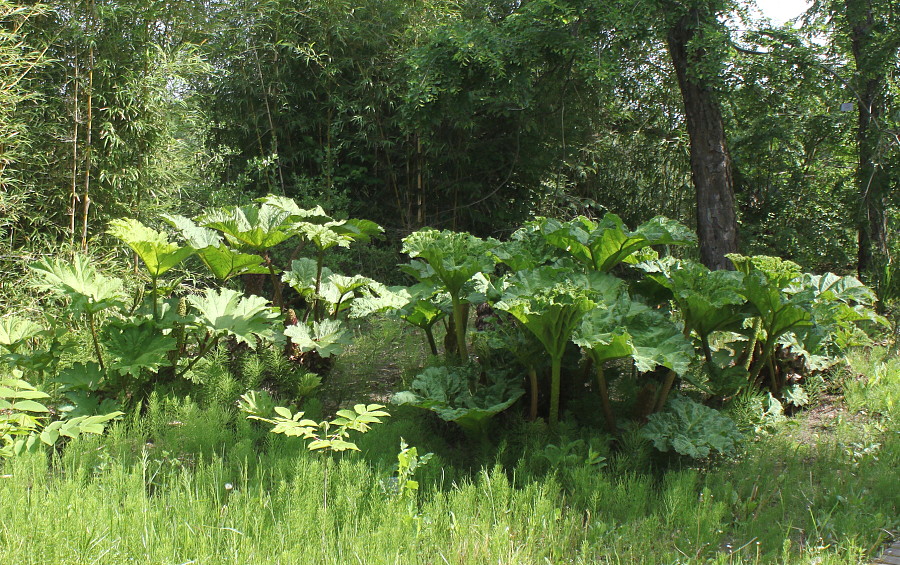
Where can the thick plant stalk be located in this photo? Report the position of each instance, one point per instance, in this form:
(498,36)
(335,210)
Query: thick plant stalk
(555,377)
(431,343)
(757,367)
(747,355)
(93,329)
(604,399)
(276,285)
(664,392)
(533,383)
(459,322)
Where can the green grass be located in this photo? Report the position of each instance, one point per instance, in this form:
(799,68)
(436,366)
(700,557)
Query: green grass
(156,490)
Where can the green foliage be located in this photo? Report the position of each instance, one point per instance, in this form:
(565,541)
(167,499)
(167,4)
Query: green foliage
(137,347)
(256,228)
(228,312)
(325,435)
(550,303)
(326,338)
(626,328)
(86,289)
(408,462)
(154,248)
(709,301)
(25,422)
(450,260)
(16,331)
(691,429)
(454,394)
(222,261)
(258,404)
(603,245)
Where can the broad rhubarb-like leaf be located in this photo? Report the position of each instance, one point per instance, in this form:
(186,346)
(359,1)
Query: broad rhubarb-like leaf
(445,391)
(250,227)
(134,347)
(153,247)
(15,331)
(627,328)
(78,280)
(691,429)
(327,337)
(603,245)
(228,312)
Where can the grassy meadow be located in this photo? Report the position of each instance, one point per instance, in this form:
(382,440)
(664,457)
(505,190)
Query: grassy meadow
(193,481)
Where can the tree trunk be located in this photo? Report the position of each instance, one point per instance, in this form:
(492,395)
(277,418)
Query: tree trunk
(710,160)
(871,177)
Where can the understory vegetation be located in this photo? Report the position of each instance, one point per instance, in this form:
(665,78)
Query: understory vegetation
(575,393)
(454,281)
(194,481)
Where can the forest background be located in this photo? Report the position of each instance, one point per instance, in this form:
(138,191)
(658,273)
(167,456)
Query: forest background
(457,114)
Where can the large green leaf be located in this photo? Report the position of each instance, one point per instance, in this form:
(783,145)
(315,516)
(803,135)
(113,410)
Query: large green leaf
(225,263)
(691,429)
(327,338)
(526,249)
(134,347)
(80,376)
(250,227)
(708,300)
(446,392)
(196,236)
(780,312)
(153,247)
(316,214)
(323,236)
(302,277)
(15,331)
(627,328)
(358,230)
(377,297)
(454,257)
(551,302)
(227,312)
(78,280)
(603,245)
(338,291)
(222,261)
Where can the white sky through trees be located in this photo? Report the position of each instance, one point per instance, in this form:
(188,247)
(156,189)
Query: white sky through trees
(779,11)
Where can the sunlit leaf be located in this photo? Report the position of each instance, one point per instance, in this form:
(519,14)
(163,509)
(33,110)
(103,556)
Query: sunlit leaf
(78,280)
(228,312)
(153,247)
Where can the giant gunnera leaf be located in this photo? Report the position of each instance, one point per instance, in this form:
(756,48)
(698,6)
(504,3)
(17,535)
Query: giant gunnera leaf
(134,347)
(446,392)
(228,312)
(15,331)
(78,280)
(327,337)
(603,245)
(691,429)
(222,261)
(153,247)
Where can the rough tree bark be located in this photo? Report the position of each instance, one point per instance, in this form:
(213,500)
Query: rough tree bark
(872,179)
(710,161)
